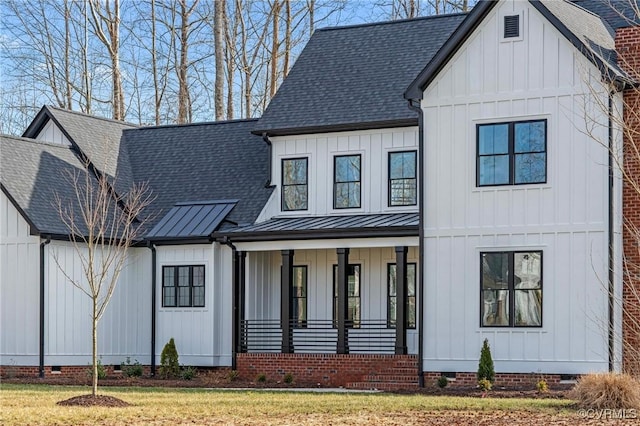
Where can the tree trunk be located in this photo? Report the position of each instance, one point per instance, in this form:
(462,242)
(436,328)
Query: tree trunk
(273,81)
(287,38)
(94,340)
(154,65)
(218,39)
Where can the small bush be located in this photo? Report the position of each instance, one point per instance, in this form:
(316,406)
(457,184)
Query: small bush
(442,382)
(288,378)
(261,378)
(131,370)
(607,391)
(232,375)
(484,384)
(169,366)
(542,386)
(102,372)
(188,373)
(485,366)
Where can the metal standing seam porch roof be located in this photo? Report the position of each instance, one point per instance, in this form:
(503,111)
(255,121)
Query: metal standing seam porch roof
(324,227)
(191,220)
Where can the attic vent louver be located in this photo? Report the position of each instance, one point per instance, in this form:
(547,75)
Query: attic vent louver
(511,26)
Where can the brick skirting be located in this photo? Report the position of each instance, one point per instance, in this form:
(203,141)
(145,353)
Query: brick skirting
(325,370)
(10,371)
(511,380)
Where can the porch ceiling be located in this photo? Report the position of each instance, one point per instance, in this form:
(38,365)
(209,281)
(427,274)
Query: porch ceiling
(385,228)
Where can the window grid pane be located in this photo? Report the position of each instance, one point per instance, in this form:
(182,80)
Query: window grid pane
(183,286)
(299,297)
(511,289)
(353,296)
(294,184)
(346,179)
(392,296)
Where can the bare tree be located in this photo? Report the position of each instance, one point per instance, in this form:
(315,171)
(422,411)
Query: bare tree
(102,226)
(219,33)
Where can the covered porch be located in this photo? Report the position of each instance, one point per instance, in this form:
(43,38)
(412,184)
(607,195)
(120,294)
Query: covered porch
(317,293)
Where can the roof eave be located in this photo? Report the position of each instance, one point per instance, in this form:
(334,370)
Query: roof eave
(448,49)
(367,125)
(321,234)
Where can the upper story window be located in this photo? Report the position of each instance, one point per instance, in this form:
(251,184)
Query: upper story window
(183,286)
(512,153)
(346,181)
(511,289)
(402,179)
(295,188)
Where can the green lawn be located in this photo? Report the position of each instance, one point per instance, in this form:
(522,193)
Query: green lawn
(36,405)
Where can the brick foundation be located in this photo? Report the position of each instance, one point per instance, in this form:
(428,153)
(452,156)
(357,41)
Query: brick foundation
(326,370)
(10,371)
(507,380)
(628,47)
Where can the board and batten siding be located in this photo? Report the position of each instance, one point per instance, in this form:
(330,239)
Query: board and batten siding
(19,288)
(52,133)
(320,149)
(491,80)
(124,330)
(202,334)
(263,285)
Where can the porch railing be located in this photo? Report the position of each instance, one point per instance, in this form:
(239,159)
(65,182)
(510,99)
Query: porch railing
(317,336)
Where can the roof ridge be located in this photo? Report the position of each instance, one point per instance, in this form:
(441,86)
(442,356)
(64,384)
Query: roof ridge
(392,22)
(201,123)
(34,141)
(82,114)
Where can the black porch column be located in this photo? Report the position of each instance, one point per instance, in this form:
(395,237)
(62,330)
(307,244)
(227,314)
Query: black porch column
(286,281)
(342,287)
(242,282)
(237,296)
(401,300)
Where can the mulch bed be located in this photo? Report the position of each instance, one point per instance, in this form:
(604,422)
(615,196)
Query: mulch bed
(220,379)
(92,401)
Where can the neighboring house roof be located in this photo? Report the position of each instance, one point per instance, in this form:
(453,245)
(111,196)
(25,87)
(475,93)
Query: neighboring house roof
(191,221)
(32,173)
(353,77)
(589,33)
(297,228)
(199,162)
(97,138)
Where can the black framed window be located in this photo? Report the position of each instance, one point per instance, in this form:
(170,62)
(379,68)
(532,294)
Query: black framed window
(392,295)
(353,295)
(299,297)
(183,286)
(403,187)
(295,187)
(511,289)
(346,181)
(512,153)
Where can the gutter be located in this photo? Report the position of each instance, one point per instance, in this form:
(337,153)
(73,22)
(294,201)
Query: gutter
(42,295)
(421,191)
(153,308)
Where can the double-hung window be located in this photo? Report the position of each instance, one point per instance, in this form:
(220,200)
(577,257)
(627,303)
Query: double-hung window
(295,188)
(511,289)
(353,295)
(512,153)
(183,286)
(346,181)
(299,297)
(392,299)
(402,179)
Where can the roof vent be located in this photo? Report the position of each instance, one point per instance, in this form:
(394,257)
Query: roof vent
(511,26)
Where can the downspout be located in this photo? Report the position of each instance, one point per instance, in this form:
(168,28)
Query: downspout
(42,294)
(611,253)
(153,307)
(265,138)
(421,327)
(234,305)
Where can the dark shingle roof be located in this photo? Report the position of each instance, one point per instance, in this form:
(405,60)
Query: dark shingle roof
(353,77)
(348,226)
(33,173)
(617,13)
(191,220)
(198,162)
(98,138)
